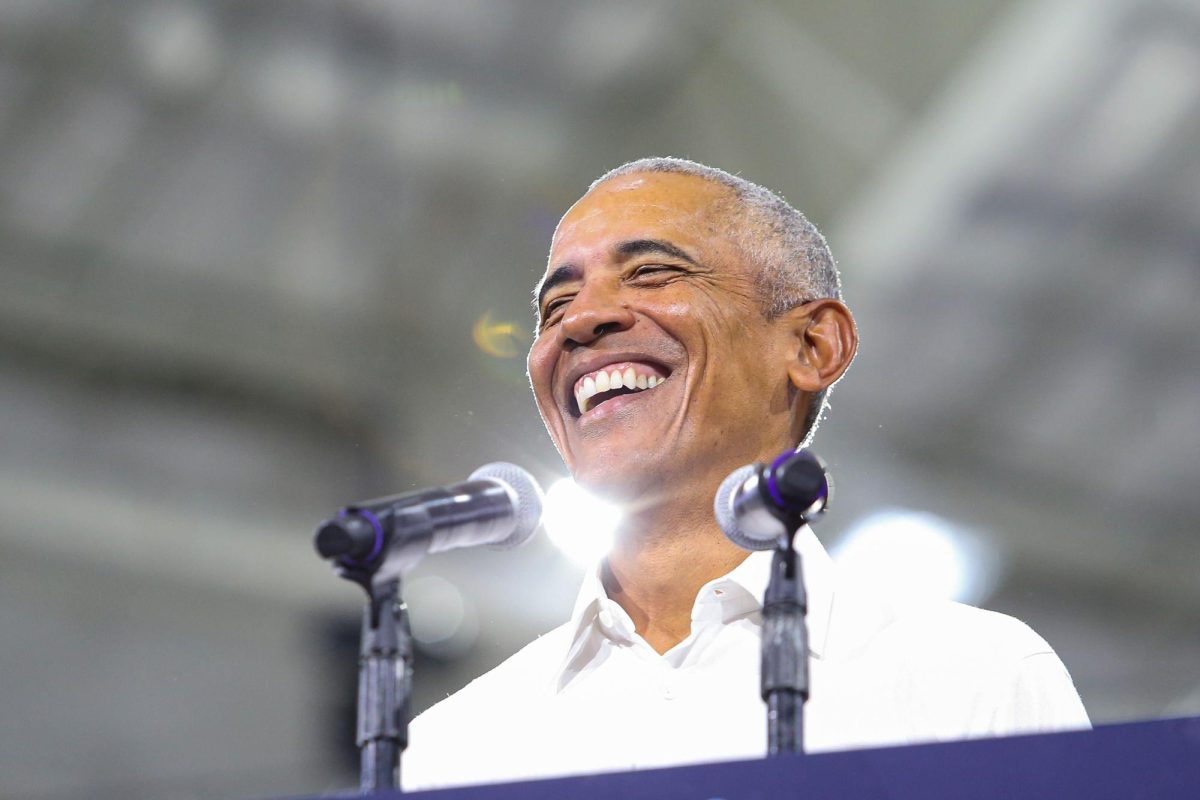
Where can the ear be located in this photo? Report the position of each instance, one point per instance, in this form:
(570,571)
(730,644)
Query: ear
(825,340)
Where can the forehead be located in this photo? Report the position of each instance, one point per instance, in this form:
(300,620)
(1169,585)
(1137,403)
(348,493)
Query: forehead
(681,207)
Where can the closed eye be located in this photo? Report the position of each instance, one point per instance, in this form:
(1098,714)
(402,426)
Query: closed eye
(552,308)
(655,270)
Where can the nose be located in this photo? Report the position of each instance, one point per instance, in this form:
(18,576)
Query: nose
(595,311)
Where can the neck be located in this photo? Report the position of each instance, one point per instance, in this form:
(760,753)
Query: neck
(660,561)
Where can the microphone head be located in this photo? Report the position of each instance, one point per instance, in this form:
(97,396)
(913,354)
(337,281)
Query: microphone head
(351,536)
(798,482)
(527,512)
(727,517)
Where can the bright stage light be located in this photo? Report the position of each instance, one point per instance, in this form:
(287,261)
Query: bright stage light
(579,523)
(916,555)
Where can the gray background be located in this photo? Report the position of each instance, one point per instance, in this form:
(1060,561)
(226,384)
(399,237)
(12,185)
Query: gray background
(243,246)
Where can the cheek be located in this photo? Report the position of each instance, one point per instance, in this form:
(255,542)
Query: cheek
(540,366)
(714,334)
(730,362)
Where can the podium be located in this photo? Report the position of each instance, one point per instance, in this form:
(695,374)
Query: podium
(1159,759)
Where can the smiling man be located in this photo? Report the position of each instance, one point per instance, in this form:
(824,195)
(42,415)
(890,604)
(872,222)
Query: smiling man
(689,323)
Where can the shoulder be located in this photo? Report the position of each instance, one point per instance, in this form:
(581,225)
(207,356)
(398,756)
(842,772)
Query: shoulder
(867,624)
(993,664)
(975,644)
(959,632)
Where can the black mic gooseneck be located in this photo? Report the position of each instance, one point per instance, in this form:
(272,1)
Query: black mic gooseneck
(784,678)
(385,660)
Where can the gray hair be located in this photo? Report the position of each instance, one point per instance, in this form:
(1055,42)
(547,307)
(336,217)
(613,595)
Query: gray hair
(795,265)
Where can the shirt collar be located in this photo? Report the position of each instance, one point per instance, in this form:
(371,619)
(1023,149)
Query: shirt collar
(737,593)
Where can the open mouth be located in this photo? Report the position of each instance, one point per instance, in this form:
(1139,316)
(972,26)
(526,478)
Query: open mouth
(596,388)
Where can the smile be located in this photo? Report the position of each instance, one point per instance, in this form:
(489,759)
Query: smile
(612,381)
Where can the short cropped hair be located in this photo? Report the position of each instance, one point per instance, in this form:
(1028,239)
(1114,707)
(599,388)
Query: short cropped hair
(794,261)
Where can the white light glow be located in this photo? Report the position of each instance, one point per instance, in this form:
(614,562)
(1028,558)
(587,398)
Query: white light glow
(912,555)
(579,523)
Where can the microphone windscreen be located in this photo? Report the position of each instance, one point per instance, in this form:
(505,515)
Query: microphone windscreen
(527,512)
(723,507)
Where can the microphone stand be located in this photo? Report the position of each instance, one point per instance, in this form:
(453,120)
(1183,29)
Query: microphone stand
(384,688)
(384,679)
(373,544)
(784,681)
(762,507)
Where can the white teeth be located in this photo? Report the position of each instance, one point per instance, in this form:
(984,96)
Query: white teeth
(584,394)
(605,381)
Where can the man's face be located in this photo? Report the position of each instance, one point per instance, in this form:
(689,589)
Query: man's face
(643,282)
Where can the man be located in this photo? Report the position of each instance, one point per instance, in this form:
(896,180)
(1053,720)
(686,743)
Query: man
(690,323)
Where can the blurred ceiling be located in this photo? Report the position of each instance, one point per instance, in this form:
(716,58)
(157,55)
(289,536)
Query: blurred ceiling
(244,246)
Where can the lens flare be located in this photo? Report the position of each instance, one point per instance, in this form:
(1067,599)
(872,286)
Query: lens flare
(497,339)
(579,523)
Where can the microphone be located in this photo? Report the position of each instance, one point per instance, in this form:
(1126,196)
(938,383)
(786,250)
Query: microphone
(499,505)
(758,506)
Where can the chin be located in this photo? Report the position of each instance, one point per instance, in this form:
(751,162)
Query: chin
(618,480)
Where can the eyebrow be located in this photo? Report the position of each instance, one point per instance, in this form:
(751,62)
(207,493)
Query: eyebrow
(641,247)
(627,249)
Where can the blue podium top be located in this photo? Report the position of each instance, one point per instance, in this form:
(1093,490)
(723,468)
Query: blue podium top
(1159,759)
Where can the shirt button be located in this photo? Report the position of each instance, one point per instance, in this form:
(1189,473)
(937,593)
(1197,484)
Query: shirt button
(606,619)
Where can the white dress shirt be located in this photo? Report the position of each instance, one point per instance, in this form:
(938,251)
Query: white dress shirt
(593,696)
